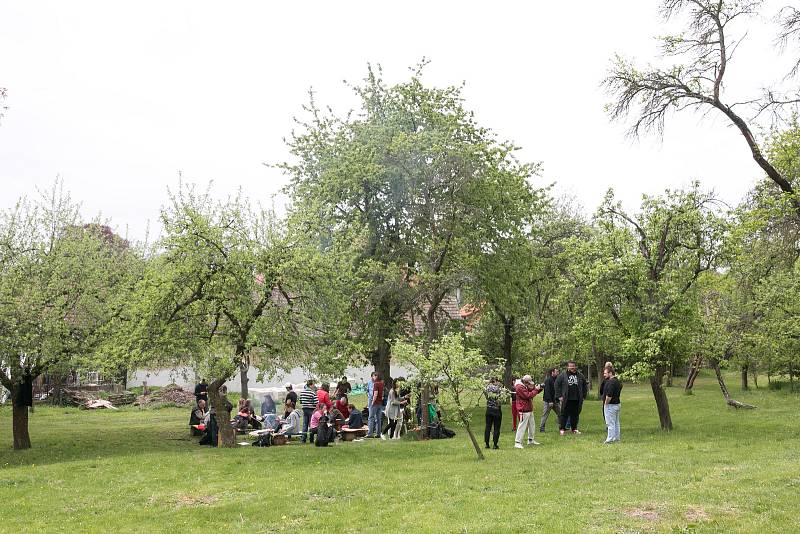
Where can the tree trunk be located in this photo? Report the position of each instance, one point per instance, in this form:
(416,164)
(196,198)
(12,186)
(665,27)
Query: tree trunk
(382,356)
(725,393)
(433,332)
(468,428)
(754,372)
(694,370)
(244,367)
(222,408)
(22,439)
(745,370)
(508,356)
(660,396)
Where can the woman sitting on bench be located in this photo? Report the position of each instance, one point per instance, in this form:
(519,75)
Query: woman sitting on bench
(292,424)
(197,417)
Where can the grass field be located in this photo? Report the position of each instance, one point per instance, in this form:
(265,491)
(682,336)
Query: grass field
(138,471)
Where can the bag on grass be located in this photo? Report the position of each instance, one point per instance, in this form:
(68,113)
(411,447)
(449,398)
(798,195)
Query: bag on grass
(264,440)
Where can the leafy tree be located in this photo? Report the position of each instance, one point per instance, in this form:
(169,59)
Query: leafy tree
(652,261)
(416,189)
(460,371)
(519,281)
(58,284)
(698,83)
(231,288)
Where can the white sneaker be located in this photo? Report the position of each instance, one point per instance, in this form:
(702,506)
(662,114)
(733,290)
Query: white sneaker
(518,446)
(534,442)
(383,437)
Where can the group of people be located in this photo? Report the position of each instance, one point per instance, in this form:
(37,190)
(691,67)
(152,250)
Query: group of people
(318,417)
(564,393)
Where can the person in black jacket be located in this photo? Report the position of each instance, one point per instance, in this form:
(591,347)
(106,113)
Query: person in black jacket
(549,399)
(571,393)
(201,391)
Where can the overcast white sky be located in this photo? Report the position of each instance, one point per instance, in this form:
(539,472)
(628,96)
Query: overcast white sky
(119,97)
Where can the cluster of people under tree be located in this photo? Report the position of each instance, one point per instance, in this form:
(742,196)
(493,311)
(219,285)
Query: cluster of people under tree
(564,393)
(318,418)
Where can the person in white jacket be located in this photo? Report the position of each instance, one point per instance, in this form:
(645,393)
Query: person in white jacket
(394,412)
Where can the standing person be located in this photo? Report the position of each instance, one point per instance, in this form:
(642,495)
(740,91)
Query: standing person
(494,413)
(290,393)
(549,399)
(514,413)
(368,388)
(572,393)
(394,410)
(342,388)
(201,391)
(308,401)
(611,403)
(375,407)
(526,391)
(602,388)
(323,395)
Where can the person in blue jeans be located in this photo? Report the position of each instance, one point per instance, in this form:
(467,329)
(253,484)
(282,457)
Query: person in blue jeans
(375,407)
(308,401)
(611,404)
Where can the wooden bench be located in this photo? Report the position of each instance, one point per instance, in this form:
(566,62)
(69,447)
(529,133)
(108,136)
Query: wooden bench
(350,434)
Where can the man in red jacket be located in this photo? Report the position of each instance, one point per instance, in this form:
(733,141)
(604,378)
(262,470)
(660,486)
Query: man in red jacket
(526,391)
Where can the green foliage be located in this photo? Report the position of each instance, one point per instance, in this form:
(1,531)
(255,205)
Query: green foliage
(415,189)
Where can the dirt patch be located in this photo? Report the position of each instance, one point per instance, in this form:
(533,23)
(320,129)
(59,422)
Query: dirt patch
(696,515)
(638,513)
(188,501)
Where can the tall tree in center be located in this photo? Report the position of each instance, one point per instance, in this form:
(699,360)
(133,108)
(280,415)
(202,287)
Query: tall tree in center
(416,188)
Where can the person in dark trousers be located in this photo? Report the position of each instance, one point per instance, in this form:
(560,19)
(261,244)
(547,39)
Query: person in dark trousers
(549,398)
(201,391)
(573,391)
(494,413)
(308,401)
(611,403)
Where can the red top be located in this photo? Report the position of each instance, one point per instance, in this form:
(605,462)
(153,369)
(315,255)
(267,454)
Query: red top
(525,397)
(324,398)
(342,407)
(377,393)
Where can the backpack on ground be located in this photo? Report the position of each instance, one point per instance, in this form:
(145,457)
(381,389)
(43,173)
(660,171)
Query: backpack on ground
(264,440)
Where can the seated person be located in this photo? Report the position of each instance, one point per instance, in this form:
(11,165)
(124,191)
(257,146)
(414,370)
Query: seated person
(355,420)
(321,410)
(197,417)
(325,432)
(336,419)
(342,406)
(292,424)
(253,419)
(268,405)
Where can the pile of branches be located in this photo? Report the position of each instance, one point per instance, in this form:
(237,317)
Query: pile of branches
(82,399)
(171,394)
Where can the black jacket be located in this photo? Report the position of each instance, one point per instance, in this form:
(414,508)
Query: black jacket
(549,389)
(562,387)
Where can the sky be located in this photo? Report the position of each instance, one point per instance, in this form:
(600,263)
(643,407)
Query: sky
(119,99)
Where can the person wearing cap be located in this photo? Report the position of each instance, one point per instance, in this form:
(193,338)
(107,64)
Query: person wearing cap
(290,393)
(526,390)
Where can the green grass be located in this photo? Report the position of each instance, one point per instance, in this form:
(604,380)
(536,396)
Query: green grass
(138,471)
